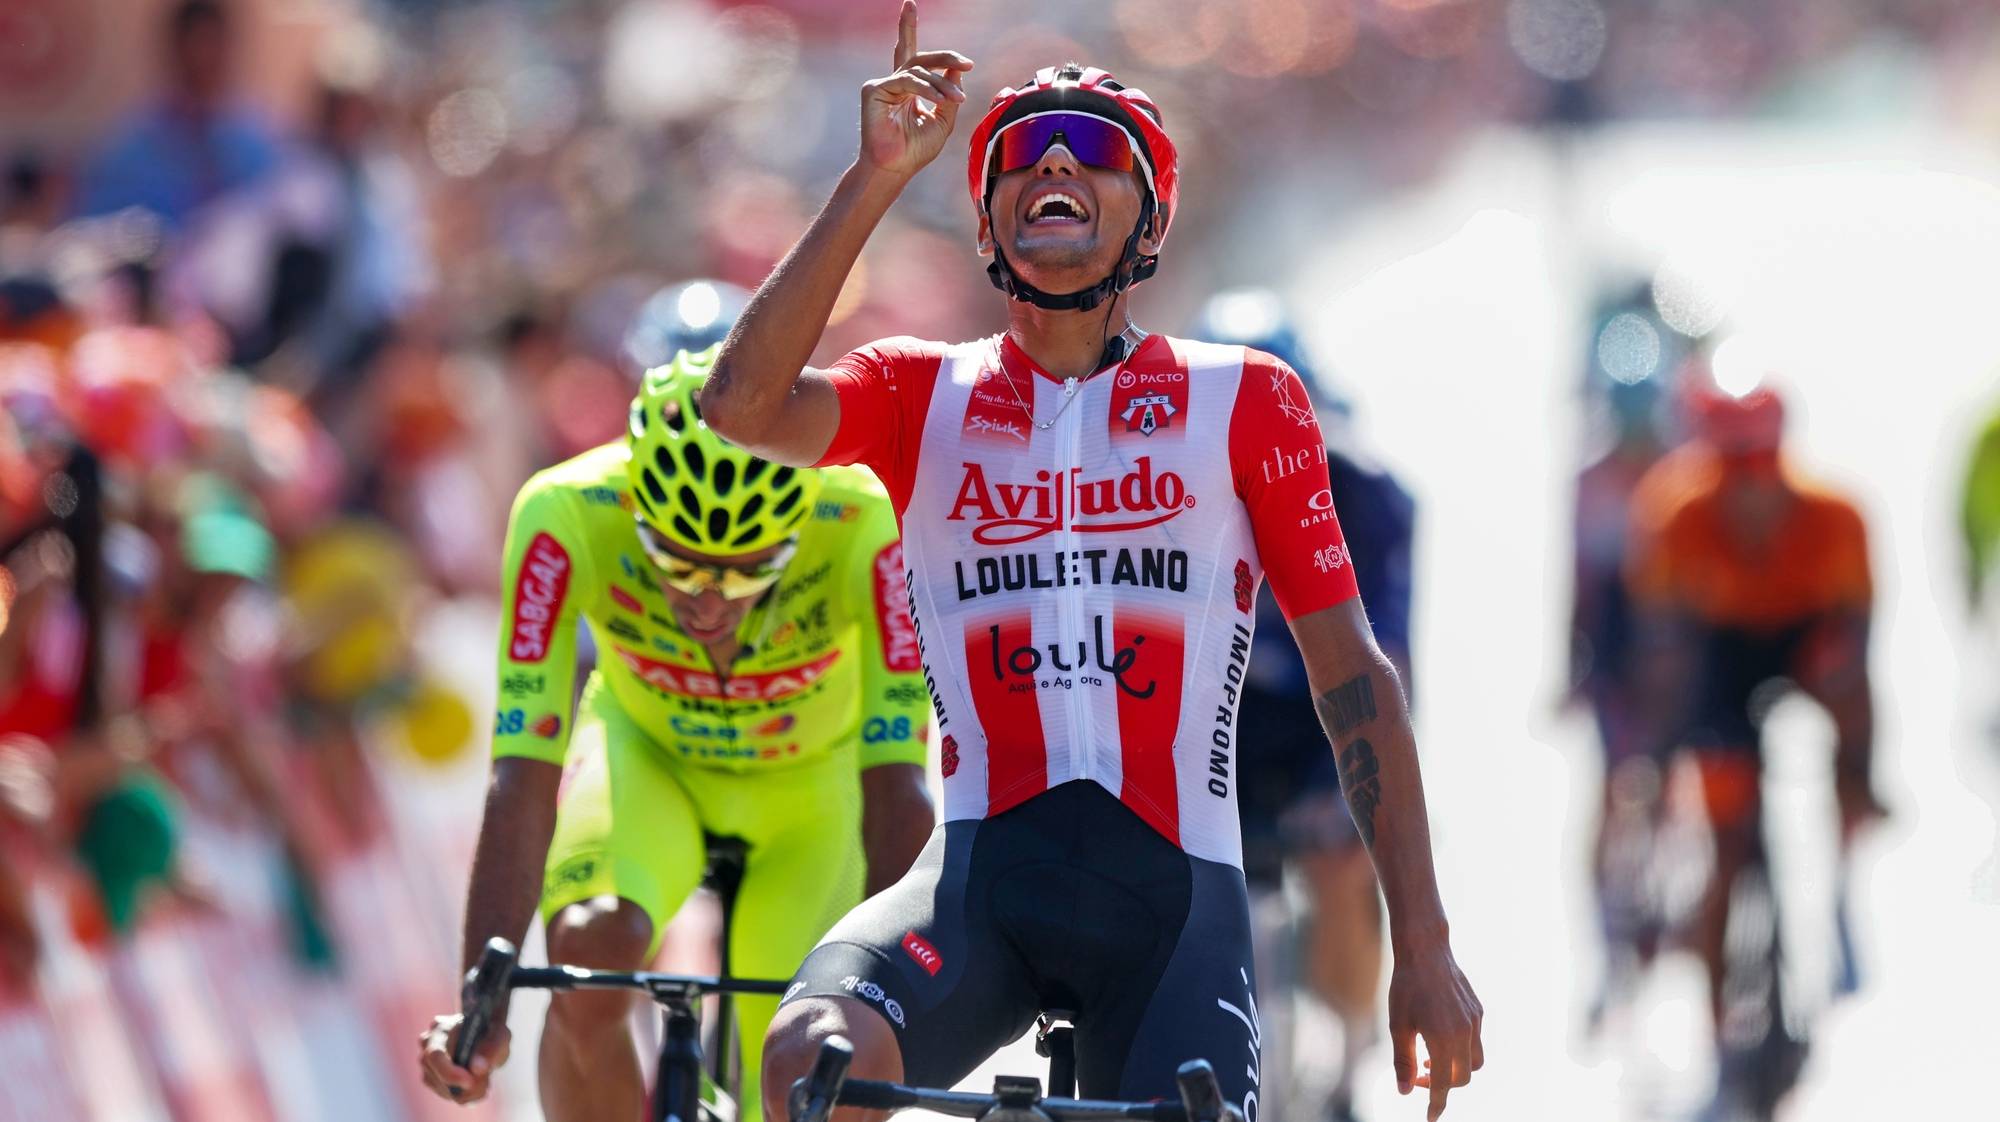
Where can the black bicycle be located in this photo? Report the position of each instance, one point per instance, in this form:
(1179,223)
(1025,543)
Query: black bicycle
(677,1090)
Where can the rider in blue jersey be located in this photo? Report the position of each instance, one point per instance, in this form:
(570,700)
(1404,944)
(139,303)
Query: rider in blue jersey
(1292,810)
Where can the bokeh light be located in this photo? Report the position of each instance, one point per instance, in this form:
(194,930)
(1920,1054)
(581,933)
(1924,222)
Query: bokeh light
(763,50)
(1335,28)
(1694,292)
(543,104)
(666,59)
(1559,39)
(1432,29)
(1741,363)
(1628,348)
(467,131)
(1174,34)
(1274,36)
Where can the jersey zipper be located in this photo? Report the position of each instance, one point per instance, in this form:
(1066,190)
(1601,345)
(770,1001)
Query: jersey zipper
(1069,604)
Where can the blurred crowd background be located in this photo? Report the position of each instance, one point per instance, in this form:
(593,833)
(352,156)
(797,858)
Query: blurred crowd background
(294,294)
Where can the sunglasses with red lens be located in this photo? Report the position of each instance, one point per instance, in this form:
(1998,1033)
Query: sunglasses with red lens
(1093,140)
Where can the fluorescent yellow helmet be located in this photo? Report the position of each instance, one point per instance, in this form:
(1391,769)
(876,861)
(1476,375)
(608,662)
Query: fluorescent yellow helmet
(695,489)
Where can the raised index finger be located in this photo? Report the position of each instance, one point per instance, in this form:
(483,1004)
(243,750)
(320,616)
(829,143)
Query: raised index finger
(906,34)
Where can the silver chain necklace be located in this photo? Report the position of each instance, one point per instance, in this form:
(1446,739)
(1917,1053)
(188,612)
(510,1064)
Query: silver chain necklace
(1069,384)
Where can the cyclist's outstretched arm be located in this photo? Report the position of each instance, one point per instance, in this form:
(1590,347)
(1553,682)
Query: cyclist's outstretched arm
(1360,703)
(761,396)
(544,569)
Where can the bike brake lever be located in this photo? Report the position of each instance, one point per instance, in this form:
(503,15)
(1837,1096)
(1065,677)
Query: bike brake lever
(813,1096)
(1201,1095)
(485,988)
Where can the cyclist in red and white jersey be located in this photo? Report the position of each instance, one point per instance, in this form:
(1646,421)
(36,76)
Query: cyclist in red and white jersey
(1087,510)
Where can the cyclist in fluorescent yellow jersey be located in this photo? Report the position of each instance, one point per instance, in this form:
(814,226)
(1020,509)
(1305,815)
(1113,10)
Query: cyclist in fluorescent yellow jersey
(757,671)
(1980,511)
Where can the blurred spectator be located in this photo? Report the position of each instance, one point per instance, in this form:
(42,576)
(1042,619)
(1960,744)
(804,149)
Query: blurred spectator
(190,145)
(1293,814)
(1980,511)
(334,242)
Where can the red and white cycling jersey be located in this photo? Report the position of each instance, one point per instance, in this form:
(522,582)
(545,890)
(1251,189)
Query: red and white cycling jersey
(1084,594)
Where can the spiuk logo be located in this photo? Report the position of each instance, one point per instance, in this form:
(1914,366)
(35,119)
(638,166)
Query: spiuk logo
(1245,587)
(948,756)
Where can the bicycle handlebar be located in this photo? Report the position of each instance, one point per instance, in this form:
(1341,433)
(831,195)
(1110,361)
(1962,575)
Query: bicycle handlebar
(1201,1096)
(659,985)
(496,974)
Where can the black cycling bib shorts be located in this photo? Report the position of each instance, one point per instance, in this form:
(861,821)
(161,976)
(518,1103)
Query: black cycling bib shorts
(1069,902)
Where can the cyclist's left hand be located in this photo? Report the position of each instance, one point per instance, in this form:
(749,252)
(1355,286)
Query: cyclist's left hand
(447,1079)
(1429,997)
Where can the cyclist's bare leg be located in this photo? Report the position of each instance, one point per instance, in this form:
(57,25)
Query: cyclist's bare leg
(1735,838)
(1344,944)
(589,1064)
(794,1040)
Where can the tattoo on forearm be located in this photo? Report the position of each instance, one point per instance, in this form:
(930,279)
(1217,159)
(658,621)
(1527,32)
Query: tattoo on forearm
(1344,707)
(1361,782)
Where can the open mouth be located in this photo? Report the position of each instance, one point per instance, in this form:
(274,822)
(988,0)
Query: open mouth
(1057,207)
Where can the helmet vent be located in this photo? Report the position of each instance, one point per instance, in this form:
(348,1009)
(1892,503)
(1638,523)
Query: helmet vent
(744,538)
(751,506)
(718,524)
(782,478)
(670,415)
(725,478)
(668,468)
(790,500)
(690,502)
(685,528)
(753,470)
(653,488)
(697,461)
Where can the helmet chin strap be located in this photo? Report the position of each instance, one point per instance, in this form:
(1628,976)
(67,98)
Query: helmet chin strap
(1132,268)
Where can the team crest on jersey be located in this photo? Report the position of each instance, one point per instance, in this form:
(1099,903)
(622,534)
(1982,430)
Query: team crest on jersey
(1147,401)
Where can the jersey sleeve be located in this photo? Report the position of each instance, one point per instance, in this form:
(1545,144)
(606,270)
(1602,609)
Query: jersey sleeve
(895,707)
(1656,525)
(1277,457)
(884,390)
(1850,578)
(544,578)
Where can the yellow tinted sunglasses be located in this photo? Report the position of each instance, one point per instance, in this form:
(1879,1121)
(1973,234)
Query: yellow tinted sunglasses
(692,578)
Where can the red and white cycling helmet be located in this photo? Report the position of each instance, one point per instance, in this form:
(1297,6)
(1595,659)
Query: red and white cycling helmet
(1090,91)
(1749,422)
